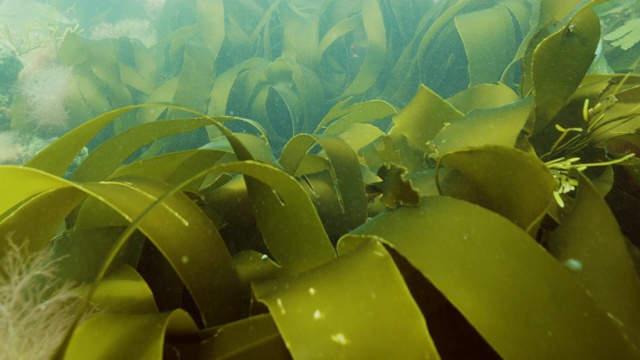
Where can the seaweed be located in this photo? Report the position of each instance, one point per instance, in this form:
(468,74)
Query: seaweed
(377,224)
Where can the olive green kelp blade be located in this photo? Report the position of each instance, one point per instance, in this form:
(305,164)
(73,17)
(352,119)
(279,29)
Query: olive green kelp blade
(127,336)
(590,244)
(560,62)
(356,307)
(424,116)
(255,337)
(523,302)
(496,126)
(511,182)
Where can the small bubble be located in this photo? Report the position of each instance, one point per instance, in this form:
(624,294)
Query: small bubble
(340,339)
(282,310)
(312,291)
(318,315)
(573,264)
(184,259)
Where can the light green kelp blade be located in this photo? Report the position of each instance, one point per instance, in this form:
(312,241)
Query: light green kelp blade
(322,313)
(123,291)
(480,260)
(424,116)
(484,96)
(256,337)
(57,157)
(589,242)
(345,172)
(106,158)
(26,222)
(489,39)
(184,235)
(497,126)
(376,49)
(560,62)
(513,183)
(288,221)
(127,336)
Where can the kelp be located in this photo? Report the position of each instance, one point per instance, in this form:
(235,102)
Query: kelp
(335,210)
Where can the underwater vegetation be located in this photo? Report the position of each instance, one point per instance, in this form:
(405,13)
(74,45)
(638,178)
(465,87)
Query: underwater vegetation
(337,179)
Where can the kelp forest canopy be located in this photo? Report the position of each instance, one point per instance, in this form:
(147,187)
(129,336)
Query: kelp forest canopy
(273,179)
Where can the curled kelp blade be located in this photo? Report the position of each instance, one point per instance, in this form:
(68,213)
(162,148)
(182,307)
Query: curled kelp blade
(322,312)
(590,244)
(511,182)
(480,260)
(117,335)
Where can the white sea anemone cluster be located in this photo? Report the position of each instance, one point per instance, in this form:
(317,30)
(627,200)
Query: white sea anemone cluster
(10,148)
(32,321)
(132,28)
(44,92)
(153,8)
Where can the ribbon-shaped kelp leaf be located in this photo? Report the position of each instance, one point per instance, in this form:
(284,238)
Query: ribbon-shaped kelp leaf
(358,136)
(424,116)
(211,23)
(274,94)
(172,168)
(224,83)
(128,336)
(160,95)
(525,18)
(408,21)
(489,38)
(441,60)
(57,157)
(560,62)
(253,266)
(593,87)
(522,301)
(373,64)
(498,126)
(356,307)
(287,219)
(620,118)
(311,92)
(339,118)
(194,81)
(589,243)
(138,68)
(106,158)
(102,66)
(184,235)
(405,75)
(214,290)
(513,183)
(553,12)
(101,59)
(300,36)
(483,96)
(83,250)
(337,31)
(122,291)
(345,172)
(256,337)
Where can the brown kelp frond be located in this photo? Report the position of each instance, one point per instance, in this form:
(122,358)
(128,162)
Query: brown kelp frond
(34,312)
